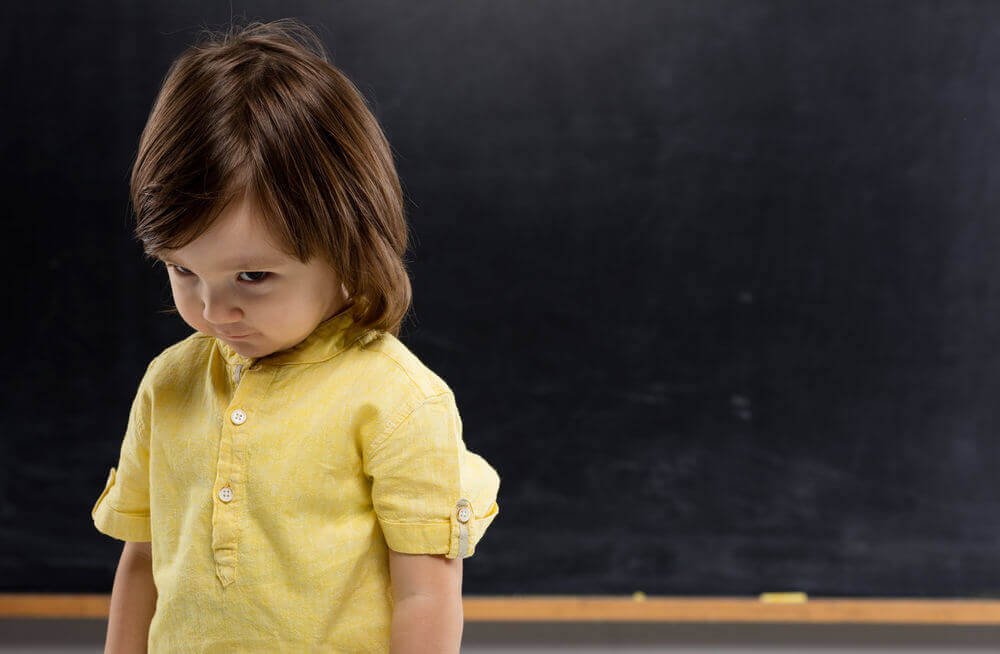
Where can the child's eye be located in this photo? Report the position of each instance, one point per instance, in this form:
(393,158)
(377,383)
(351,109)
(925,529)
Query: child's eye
(256,272)
(184,273)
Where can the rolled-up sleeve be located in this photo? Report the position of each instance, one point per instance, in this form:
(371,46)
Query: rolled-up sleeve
(430,493)
(122,509)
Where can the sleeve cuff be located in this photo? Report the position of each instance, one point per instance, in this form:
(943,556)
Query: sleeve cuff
(118,524)
(455,538)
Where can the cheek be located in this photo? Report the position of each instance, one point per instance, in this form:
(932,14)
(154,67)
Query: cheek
(181,296)
(281,315)
(187,300)
(188,305)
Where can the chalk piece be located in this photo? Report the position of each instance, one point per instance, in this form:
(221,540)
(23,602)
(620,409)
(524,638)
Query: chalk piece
(784,598)
(638,596)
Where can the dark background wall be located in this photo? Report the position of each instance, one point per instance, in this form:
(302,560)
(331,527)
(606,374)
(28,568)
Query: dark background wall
(715,282)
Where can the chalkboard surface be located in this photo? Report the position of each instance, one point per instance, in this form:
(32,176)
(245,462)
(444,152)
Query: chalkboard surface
(716,283)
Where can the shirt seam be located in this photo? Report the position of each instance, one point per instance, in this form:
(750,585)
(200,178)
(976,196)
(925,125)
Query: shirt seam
(403,368)
(399,420)
(144,514)
(435,522)
(416,522)
(146,388)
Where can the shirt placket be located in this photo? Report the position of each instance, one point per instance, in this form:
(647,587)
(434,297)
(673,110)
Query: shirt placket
(229,496)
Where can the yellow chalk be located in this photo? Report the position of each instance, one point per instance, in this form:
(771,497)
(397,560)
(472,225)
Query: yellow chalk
(784,598)
(638,596)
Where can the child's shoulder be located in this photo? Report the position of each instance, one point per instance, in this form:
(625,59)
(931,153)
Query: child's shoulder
(391,360)
(185,354)
(167,367)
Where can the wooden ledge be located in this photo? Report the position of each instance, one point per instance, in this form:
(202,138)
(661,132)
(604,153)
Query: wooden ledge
(733,609)
(565,608)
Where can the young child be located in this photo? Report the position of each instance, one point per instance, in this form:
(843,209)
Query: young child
(292,478)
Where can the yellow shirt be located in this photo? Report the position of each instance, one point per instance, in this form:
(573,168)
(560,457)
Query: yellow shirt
(272,488)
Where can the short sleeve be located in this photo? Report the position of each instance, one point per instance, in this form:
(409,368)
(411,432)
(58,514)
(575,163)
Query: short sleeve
(431,495)
(122,509)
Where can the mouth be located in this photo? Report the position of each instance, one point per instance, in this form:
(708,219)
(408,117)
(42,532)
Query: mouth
(233,336)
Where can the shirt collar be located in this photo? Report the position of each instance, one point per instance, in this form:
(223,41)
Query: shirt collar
(330,337)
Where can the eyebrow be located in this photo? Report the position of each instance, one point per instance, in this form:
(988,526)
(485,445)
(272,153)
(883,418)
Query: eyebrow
(250,263)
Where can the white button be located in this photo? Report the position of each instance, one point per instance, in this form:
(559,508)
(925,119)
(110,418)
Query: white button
(464,512)
(225,493)
(238,416)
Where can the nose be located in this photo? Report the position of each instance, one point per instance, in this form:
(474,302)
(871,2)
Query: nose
(218,309)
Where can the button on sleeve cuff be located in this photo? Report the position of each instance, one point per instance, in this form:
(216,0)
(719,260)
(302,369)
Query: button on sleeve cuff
(465,535)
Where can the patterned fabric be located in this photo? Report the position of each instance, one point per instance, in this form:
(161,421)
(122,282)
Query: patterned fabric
(272,488)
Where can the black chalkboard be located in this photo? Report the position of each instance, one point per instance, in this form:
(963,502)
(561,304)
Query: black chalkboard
(716,283)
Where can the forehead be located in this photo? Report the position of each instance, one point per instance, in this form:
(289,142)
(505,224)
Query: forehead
(238,239)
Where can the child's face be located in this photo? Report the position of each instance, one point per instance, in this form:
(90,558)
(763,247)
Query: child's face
(231,280)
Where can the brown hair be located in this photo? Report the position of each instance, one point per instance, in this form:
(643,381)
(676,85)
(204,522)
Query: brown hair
(256,110)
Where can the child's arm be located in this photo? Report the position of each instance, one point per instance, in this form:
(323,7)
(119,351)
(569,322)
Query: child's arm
(427,615)
(133,601)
